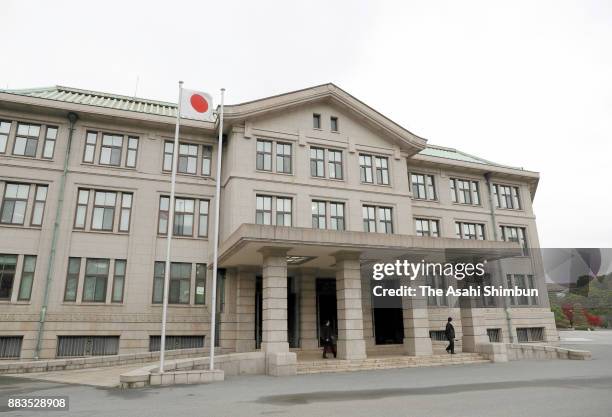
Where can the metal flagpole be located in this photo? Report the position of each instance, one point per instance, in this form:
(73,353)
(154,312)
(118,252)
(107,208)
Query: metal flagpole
(216,242)
(162,347)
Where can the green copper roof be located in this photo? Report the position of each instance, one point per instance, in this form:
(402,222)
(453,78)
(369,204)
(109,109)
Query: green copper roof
(450,153)
(95,98)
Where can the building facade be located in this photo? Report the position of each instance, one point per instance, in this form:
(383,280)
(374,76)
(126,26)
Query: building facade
(314,184)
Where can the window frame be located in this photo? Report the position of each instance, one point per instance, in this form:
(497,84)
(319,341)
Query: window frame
(83,205)
(72,275)
(429,187)
(13,278)
(112,147)
(338,166)
(27,139)
(123,209)
(333,120)
(132,150)
(263,210)
(316,121)
(88,145)
(284,213)
(284,157)
(514,196)
(198,279)
(104,208)
(316,216)
(205,215)
(184,213)
(97,277)
(479,229)
(382,170)
(15,199)
(5,135)
(122,277)
(207,153)
(52,140)
(26,274)
(317,161)
(364,168)
(264,154)
(38,202)
(429,222)
(335,217)
(188,156)
(473,191)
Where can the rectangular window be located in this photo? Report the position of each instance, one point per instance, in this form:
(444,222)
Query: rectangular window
(382,170)
(334,164)
(474,231)
(200,284)
(264,155)
(90,147)
(524,282)
(5,130)
(316,121)
(8,265)
(164,207)
(464,191)
(494,335)
(110,153)
(26,140)
(206,160)
(333,124)
(49,146)
(176,342)
(39,205)
(72,279)
(365,168)
(317,162)
(27,278)
(283,211)
(336,216)
(180,283)
(132,152)
(187,158)
(96,276)
(423,187)
(506,197)
(530,334)
(81,209)
(385,221)
(104,210)
(263,210)
(369,218)
(437,282)
(427,227)
(183,216)
(203,220)
(73,346)
(168,154)
(15,203)
(10,347)
(283,158)
(318,215)
(515,234)
(118,281)
(126,212)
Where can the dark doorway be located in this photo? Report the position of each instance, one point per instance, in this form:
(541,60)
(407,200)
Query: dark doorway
(388,326)
(326,305)
(292,312)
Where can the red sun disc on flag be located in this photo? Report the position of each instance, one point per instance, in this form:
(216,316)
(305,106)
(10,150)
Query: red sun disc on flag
(199,103)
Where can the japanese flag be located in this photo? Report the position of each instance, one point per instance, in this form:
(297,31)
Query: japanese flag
(196,105)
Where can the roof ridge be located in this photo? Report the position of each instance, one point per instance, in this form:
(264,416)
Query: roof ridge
(61,88)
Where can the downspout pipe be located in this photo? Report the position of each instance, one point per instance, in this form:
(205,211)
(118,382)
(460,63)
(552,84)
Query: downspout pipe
(500,271)
(72,118)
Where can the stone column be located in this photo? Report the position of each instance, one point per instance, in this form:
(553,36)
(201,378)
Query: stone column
(472,321)
(416,323)
(308,309)
(279,361)
(351,344)
(245,310)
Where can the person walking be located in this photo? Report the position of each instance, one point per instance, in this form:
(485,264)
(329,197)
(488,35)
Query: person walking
(450,336)
(328,342)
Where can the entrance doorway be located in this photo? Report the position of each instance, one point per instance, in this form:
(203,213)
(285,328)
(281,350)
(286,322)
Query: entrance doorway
(326,305)
(388,316)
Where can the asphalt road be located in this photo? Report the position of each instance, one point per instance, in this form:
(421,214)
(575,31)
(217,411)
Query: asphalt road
(525,388)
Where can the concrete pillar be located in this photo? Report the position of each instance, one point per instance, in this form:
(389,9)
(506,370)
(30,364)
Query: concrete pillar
(416,324)
(308,309)
(279,361)
(472,321)
(245,310)
(351,344)
(274,300)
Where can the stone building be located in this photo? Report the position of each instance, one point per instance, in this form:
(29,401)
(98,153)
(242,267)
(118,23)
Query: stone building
(314,184)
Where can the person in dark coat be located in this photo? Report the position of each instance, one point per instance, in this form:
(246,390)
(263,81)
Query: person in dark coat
(450,336)
(328,342)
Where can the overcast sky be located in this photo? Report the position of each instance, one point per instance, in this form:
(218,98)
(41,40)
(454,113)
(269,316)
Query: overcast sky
(523,83)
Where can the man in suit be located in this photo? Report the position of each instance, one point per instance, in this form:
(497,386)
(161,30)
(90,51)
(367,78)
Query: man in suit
(450,336)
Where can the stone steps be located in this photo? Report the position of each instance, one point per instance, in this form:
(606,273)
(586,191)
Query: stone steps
(390,362)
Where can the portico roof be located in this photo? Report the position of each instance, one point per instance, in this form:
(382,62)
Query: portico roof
(317,246)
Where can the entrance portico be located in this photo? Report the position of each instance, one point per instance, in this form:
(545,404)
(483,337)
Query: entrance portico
(321,264)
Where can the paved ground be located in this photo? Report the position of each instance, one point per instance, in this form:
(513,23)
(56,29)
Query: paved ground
(525,388)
